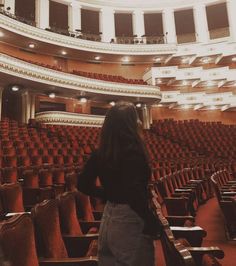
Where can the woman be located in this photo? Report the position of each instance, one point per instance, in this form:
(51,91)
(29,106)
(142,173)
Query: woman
(121,163)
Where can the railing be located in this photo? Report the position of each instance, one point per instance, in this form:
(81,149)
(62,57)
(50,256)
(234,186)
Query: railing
(81,44)
(66,118)
(186,38)
(140,40)
(21,69)
(18,18)
(219,33)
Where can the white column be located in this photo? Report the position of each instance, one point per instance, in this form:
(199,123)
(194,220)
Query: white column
(9,6)
(145,116)
(200,21)
(231,7)
(169,25)
(32,105)
(1,90)
(74,16)
(42,13)
(25,97)
(150,115)
(138,23)
(107,24)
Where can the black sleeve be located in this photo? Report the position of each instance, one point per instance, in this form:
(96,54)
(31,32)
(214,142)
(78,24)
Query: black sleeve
(137,172)
(87,179)
(138,194)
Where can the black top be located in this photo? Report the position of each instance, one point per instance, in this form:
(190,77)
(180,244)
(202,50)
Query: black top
(123,183)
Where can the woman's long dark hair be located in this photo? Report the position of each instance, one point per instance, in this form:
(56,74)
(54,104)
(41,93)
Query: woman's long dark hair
(120,133)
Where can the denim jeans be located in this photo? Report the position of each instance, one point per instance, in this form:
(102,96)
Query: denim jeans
(121,241)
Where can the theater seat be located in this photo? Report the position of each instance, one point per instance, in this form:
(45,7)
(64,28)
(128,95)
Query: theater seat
(17,241)
(19,248)
(70,224)
(11,195)
(49,240)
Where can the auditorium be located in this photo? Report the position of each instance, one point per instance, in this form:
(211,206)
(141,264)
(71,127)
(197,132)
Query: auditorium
(64,66)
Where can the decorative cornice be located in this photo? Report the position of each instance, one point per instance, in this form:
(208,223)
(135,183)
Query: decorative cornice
(154,4)
(72,119)
(80,44)
(22,69)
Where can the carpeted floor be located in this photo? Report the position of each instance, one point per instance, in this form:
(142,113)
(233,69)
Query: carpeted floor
(210,218)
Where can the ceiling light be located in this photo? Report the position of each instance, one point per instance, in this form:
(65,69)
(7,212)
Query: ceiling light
(233,59)
(157,59)
(138,105)
(83,100)
(97,57)
(186,106)
(64,53)
(32,45)
(185,60)
(184,83)
(125,59)
(205,60)
(210,83)
(52,95)
(15,88)
(212,107)
(112,103)
(159,105)
(1,34)
(158,81)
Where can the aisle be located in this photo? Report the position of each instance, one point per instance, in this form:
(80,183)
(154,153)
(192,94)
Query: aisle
(209,217)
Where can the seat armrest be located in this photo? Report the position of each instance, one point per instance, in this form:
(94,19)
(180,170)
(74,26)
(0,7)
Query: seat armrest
(198,252)
(226,193)
(195,181)
(10,214)
(85,226)
(86,261)
(77,246)
(183,190)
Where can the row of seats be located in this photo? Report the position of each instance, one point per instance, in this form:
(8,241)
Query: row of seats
(110,78)
(224,185)
(181,239)
(44,230)
(183,191)
(206,138)
(49,235)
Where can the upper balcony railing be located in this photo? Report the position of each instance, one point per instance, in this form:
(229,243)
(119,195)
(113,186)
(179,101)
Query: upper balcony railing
(219,33)
(186,38)
(146,45)
(73,42)
(21,69)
